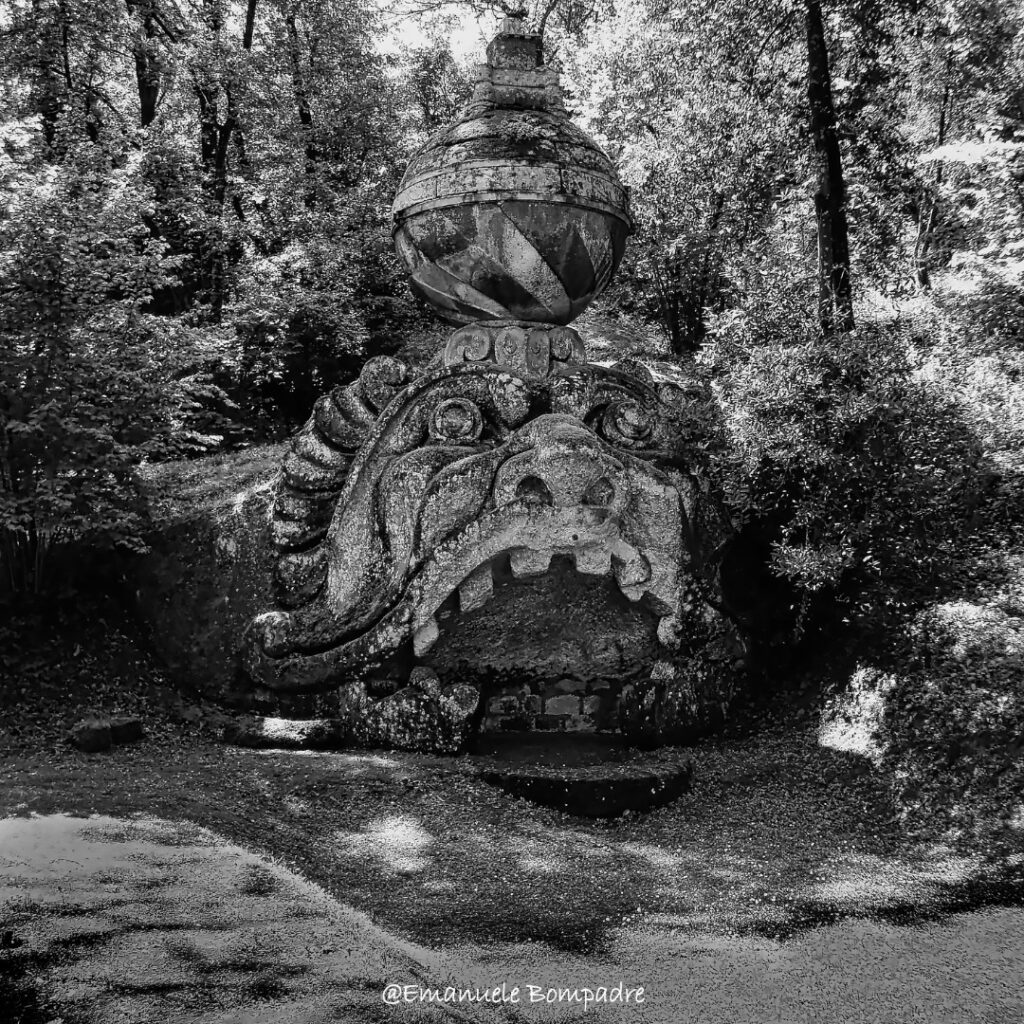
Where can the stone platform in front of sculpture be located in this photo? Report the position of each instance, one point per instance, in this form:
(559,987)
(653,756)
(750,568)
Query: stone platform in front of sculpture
(585,775)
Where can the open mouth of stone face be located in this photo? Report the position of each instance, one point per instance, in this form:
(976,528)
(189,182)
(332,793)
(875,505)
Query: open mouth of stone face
(549,651)
(531,537)
(428,531)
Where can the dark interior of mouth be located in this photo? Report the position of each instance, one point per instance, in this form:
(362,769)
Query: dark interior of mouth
(549,652)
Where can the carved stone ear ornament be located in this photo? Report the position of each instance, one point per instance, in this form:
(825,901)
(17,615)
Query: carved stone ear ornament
(456,421)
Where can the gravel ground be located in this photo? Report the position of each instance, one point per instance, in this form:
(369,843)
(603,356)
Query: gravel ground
(786,858)
(144,920)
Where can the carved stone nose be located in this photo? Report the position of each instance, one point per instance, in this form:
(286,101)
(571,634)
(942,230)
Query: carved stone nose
(564,467)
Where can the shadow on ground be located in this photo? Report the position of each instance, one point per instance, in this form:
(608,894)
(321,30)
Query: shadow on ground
(778,836)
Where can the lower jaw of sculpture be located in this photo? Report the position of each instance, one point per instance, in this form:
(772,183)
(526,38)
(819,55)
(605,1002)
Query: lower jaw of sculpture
(380,702)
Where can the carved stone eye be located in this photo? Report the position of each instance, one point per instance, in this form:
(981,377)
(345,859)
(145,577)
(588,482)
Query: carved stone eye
(628,423)
(456,421)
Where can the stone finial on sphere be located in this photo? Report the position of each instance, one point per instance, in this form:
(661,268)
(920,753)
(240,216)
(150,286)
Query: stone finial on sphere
(512,212)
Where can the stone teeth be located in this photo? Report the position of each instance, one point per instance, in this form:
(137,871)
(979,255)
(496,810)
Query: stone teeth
(662,594)
(594,560)
(476,589)
(633,593)
(527,562)
(669,628)
(631,571)
(425,637)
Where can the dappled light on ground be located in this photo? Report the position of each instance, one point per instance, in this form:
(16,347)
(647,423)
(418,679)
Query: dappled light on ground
(535,856)
(139,920)
(862,881)
(398,844)
(779,838)
(348,762)
(778,835)
(144,920)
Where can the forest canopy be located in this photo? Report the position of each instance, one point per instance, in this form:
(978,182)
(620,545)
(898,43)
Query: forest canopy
(195,231)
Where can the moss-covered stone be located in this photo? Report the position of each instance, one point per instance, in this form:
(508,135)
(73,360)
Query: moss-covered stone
(209,568)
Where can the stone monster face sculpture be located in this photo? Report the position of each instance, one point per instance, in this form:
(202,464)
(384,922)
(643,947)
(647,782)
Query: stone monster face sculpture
(400,492)
(382,515)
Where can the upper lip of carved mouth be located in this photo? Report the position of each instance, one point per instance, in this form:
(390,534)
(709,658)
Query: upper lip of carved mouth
(593,536)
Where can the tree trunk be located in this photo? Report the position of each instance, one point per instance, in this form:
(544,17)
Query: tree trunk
(49,94)
(147,69)
(304,110)
(214,141)
(835,292)
(250,21)
(215,138)
(927,223)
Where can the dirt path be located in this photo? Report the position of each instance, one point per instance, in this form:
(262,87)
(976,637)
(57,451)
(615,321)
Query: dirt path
(145,920)
(780,889)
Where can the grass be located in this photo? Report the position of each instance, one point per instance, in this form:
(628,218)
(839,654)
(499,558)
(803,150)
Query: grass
(779,834)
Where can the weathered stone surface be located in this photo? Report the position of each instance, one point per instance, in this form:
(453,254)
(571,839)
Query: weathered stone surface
(567,704)
(542,636)
(594,777)
(597,792)
(91,735)
(422,716)
(529,348)
(454,476)
(232,533)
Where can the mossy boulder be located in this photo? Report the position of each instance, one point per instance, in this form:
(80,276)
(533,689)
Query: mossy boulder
(209,567)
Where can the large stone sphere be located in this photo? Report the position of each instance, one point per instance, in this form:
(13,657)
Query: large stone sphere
(512,212)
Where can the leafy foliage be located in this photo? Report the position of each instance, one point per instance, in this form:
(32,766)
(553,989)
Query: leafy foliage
(857,470)
(700,151)
(194,244)
(92,382)
(944,721)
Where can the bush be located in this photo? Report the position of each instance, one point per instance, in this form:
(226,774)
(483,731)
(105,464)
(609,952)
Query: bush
(90,382)
(855,472)
(946,723)
(310,312)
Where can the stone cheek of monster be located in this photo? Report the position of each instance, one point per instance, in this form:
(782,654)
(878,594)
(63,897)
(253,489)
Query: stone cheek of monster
(408,505)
